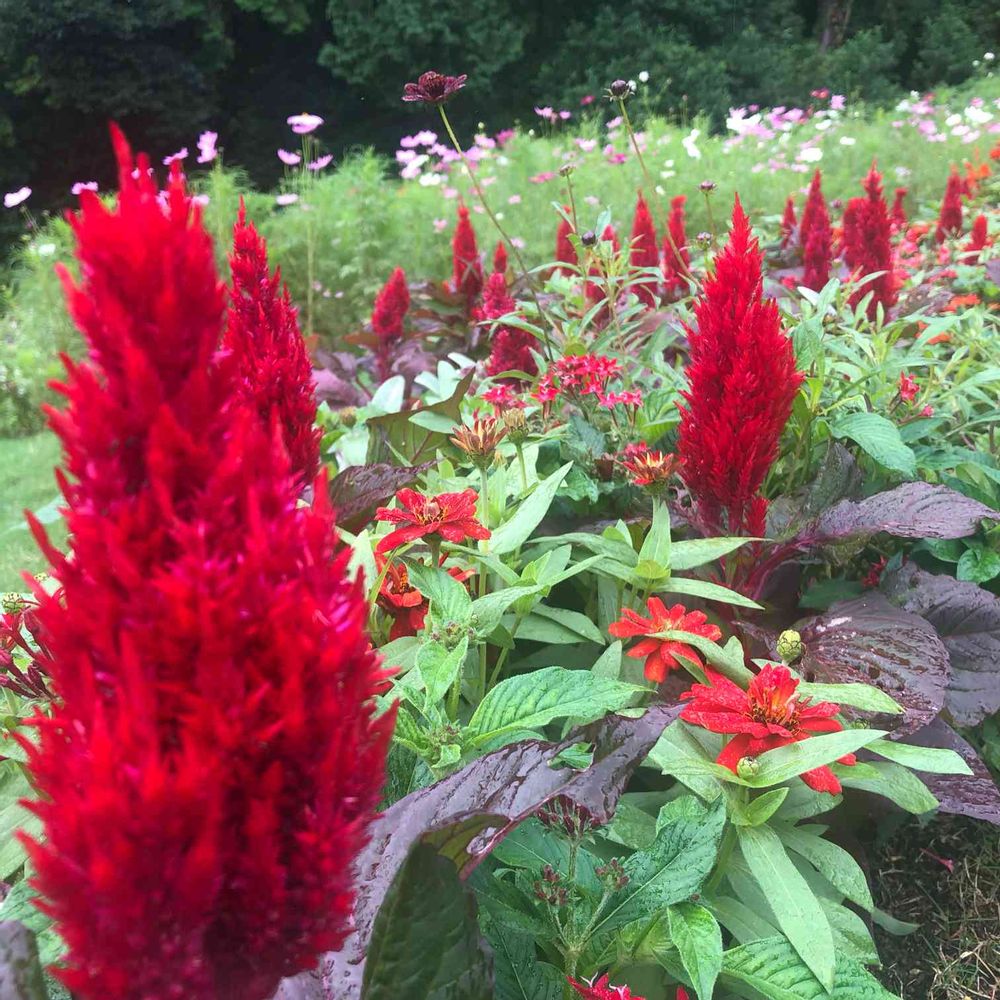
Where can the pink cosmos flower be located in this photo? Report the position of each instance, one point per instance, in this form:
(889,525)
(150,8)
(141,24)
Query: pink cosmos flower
(587,99)
(14,198)
(505,135)
(289,159)
(565,115)
(545,175)
(440,225)
(320,162)
(289,198)
(514,199)
(206,146)
(80,186)
(546,113)
(838,102)
(181,154)
(304,123)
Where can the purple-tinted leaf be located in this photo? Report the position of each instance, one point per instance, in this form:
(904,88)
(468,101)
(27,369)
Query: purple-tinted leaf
(968,620)
(468,813)
(869,640)
(334,379)
(974,795)
(993,270)
(913,510)
(358,490)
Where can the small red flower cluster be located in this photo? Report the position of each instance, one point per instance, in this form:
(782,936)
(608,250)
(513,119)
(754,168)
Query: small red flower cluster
(578,375)
(741,384)
(601,989)
(403,602)
(767,716)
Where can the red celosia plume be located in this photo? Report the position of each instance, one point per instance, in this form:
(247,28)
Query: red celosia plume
(645,251)
(788,223)
(676,258)
(212,760)
(868,247)
(391,306)
(510,348)
(262,334)
(978,240)
(898,213)
(741,384)
(816,237)
(565,251)
(500,258)
(467,270)
(950,217)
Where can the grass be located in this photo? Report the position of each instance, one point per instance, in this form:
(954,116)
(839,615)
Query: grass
(28,482)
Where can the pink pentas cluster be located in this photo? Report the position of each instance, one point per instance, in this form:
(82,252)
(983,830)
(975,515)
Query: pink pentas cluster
(213,758)
(741,384)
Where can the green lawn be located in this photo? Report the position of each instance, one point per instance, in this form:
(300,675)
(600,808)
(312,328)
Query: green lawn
(27,482)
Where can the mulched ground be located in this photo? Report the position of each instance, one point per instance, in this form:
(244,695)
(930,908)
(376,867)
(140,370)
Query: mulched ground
(955,955)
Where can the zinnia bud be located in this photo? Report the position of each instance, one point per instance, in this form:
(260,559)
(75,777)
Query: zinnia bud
(790,647)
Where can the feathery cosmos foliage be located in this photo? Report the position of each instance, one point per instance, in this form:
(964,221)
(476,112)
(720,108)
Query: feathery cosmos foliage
(788,222)
(645,250)
(950,217)
(263,335)
(213,759)
(676,258)
(565,251)
(510,348)
(867,244)
(741,384)
(467,271)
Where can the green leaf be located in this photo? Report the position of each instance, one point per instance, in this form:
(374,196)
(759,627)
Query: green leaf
(535,699)
(449,599)
(678,753)
(656,544)
(489,610)
(20,906)
(439,667)
(698,551)
(571,623)
(762,808)
(851,936)
(425,942)
(14,786)
(773,969)
(933,760)
(796,909)
(896,783)
(862,696)
(831,861)
(743,922)
(528,516)
(20,971)
(710,591)
(794,759)
(978,565)
(519,974)
(879,437)
(698,938)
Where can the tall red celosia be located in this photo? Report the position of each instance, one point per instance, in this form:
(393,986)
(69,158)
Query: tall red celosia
(950,217)
(467,270)
(867,244)
(500,258)
(391,306)
(565,251)
(212,760)
(741,384)
(645,251)
(978,241)
(816,237)
(898,213)
(676,258)
(263,335)
(510,348)
(815,202)
(788,223)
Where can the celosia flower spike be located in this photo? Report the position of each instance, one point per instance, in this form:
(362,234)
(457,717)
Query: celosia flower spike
(467,271)
(978,240)
(510,347)
(868,246)
(212,760)
(676,257)
(950,217)
(645,251)
(788,223)
(741,385)
(500,258)
(898,213)
(391,306)
(262,332)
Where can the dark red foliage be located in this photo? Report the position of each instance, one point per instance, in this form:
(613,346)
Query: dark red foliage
(510,348)
(645,252)
(950,217)
(898,213)
(500,258)
(212,761)
(788,223)
(262,333)
(676,258)
(467,271)
(741,384)
(868,247)
(565,251)
(978,240)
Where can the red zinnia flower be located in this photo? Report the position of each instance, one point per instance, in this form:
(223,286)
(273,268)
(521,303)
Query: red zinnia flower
(676,258)
(788,223)
(212,761)
(908,388)
(767,716)
(950,217)
(263,335)
(867,245)
(467,271)
(565,251)
(645,252)
(402,601)
(601,989)
(452,516)
(433,88)
(741,384)
(661,653)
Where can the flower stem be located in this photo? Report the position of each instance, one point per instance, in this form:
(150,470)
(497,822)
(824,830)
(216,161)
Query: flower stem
(543,318)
